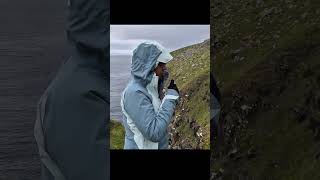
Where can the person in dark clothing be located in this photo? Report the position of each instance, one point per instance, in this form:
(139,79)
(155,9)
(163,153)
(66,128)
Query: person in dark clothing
(71,125)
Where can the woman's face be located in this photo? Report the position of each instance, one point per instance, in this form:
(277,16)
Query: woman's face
(162,72)
(160,69)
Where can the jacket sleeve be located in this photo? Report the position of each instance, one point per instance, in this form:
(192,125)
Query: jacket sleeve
(152,125)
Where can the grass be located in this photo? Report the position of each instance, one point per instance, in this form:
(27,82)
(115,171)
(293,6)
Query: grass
(277,79)
(190,69)
(117,134)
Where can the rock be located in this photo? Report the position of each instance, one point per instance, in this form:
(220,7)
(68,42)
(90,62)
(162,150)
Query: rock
(276,36)
(245,107)
(176,123)
(232,153)
(194,126)
(235,52)
(295,109)
(217,12)
(213,176)
(217,175)
(195,129)
(304,15)
(175,138)
(199,134)
(221,170)
(277,10)
(251,153)
(189,120)
(291,6)
(247,20)
(227,25)
(266,12)
(259,3)
(236,59)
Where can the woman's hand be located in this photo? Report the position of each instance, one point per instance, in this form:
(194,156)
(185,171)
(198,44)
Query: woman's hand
(172,85)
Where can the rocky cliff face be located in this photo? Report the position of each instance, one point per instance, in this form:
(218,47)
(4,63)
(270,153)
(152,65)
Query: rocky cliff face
(266,60)
(190,128)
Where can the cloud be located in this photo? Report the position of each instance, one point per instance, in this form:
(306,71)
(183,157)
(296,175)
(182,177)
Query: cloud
(125,38)
(124,47)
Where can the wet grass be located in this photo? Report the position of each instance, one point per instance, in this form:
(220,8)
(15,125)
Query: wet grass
(190,69)
(117,134)
(277,75)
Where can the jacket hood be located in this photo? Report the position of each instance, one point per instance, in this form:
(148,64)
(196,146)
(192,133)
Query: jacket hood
(87,35)
(144,61)
(165,55)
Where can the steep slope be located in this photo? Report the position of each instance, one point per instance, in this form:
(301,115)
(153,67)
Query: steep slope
(266,60)
(117,134)
(190,127)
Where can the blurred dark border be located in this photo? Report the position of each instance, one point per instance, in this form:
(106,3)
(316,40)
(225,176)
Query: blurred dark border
(160,164)
(160,12)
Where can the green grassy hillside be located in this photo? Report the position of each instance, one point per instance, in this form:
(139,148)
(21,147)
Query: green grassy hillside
(117,134)
(266,61)
(190,68)
(190,127)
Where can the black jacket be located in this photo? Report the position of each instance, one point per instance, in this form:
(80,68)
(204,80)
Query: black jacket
(71,126)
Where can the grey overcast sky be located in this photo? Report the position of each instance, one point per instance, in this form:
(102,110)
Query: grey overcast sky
(125,38)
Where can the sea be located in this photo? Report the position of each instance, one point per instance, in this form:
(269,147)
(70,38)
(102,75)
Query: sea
(32,46)
(119,77)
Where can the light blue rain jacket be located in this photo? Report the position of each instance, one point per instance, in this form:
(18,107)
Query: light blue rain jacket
(145,125)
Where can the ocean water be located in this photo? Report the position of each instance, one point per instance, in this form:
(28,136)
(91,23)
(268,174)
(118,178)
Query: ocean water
(119,77)
(32,44)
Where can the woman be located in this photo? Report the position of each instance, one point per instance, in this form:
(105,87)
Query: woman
(146,117)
